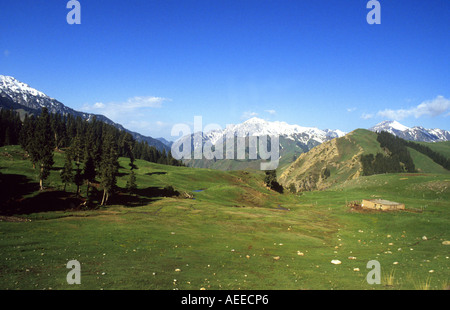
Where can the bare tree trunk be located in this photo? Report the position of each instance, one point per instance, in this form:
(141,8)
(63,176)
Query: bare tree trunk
(103,199)
(56,142)
(41,181)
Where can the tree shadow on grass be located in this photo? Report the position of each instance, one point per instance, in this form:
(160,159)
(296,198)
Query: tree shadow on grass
(14,201)
(156,173)
(49,201)
(13,188)
(16,185)
(141,196)
(121,197)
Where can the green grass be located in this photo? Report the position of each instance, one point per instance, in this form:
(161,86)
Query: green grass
(425,163)
(235,234)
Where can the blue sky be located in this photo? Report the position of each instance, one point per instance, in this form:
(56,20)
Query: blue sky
(149,64)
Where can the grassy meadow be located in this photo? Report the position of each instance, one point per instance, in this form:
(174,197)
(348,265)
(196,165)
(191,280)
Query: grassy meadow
(228,232)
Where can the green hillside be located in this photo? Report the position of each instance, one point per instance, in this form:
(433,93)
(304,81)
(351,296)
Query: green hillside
(289,151)
(426,164)
(228,232)
(440,147)
(341,159)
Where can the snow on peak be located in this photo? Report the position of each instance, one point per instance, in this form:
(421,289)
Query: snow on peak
(259,127)
(398,126)
(255,120)
(10,84)
(389,126)
(416,133)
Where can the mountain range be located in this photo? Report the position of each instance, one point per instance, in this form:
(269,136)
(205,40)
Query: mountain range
(416,133)
(294,139)
(21,97)
(338,161)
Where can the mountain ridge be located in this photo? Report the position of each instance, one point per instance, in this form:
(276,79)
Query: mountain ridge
(416,133)
(17,95)
(293,140)
(339,160)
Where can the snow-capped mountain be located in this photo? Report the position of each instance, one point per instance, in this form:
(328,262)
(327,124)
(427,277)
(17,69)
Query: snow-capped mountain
(259,127)
(293,139)
(22,96)
(17,95)
(416,133)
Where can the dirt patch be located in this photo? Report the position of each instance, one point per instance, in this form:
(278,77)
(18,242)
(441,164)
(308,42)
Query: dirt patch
(13,219)
(436,186)
(413,174)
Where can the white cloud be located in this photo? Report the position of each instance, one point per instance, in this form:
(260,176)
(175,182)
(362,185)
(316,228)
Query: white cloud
(271,112)
(121,111)
(136,114)
(248,114)
(366,116)
(351,109)
(432,108)
(162,125)
(99,105)
(144,102)
(138,124)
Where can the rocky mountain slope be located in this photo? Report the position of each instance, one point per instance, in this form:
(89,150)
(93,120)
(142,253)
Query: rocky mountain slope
(337,161)
(330,162)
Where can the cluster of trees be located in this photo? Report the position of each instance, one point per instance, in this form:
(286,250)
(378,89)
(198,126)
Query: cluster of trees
(270,180)
(380,163)
(398,159)
(397,147)
(10,125)
(436,157)
(91,148)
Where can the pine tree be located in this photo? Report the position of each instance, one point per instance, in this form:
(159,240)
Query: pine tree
(43,146)
(127,143)
(109,166)
(26,138)
(76,151)
(131,183)
(89,173)
(7,138)
(67,173)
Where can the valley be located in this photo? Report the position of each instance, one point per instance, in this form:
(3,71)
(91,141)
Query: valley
(226,230)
